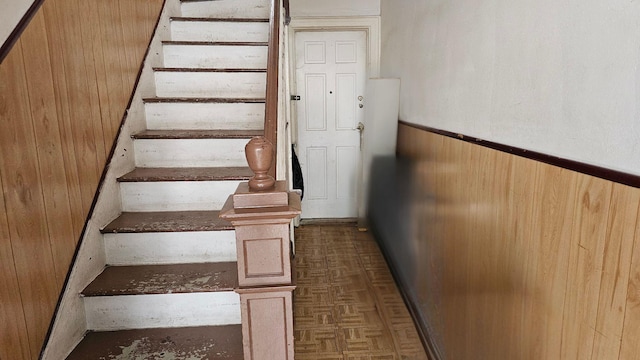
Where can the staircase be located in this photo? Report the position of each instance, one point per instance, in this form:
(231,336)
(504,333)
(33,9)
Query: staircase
(167,291)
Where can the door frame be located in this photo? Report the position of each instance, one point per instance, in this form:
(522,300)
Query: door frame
(371,26)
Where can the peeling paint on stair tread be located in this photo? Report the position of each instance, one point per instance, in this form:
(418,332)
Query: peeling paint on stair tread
(209,342)
(167,221)
(188,174)
(164,279)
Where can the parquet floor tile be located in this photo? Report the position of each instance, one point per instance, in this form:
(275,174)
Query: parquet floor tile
(346,304)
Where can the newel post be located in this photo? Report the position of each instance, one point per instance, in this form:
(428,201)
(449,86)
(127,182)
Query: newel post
(261,211)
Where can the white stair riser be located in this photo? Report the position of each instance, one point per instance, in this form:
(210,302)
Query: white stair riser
(219,31)
(215,56)
(190,152)
(105,313)
(255,9)
(205,116)
(175,195)
(170,247)
(209,84)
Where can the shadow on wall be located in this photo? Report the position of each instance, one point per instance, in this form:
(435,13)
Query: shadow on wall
(433,241)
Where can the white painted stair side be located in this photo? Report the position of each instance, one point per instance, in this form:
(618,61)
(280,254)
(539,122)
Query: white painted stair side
(215,56)
(176,195)
(210,84)
(230,31)
(170,247)
(204,116)
(190,153)
(120,312)
(255,9)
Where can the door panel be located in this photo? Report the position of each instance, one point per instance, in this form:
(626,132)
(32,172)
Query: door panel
(330,78)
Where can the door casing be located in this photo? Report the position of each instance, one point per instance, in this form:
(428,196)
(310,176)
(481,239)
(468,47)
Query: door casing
(371,26)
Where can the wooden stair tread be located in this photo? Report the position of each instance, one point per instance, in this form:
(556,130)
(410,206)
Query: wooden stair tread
(164,279)
(204,100)
(187,174)
(212,19)
(214,43)
(167,221)
(205,342)
(209,70)
(198,134)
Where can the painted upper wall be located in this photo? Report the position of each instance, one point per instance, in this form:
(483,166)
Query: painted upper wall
(11,14)
(301,8)
(556,76)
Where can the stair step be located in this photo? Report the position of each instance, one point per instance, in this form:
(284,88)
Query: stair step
(190,83)
(157,296)
(198,134)
(164,279)
(206,342)
(107,313)
(219,19)
(227,8)
(205,100)
(149,248)
(202,152)
(214,55)
(176,195)
(167,221)
(187,174)
(228,30)
(204,114)
(192,148)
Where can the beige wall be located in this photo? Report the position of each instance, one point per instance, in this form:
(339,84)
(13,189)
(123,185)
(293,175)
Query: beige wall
(518,259)
(302,8)
(63,91)
(557,76)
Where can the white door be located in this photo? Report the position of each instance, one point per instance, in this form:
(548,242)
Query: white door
(330,79)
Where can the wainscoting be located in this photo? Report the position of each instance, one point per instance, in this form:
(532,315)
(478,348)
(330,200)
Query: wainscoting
(517,259)
(64,87)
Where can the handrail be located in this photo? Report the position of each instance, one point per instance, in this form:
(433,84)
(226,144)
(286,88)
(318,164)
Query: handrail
(19,28)
(271,98)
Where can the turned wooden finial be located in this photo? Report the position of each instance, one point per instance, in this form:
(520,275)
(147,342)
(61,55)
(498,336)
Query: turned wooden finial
(259,153)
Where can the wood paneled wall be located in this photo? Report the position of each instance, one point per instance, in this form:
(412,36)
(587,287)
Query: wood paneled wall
(63,91)
(520,259)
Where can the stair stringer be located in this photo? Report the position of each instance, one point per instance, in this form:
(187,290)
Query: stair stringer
(69,323)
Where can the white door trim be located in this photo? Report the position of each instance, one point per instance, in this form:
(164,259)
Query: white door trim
(371,26)
(368,24)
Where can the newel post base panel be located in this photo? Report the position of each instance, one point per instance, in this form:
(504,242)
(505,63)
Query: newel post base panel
(267,323)
(261,219)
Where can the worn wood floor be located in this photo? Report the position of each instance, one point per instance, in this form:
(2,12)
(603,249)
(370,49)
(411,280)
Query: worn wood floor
(347,305)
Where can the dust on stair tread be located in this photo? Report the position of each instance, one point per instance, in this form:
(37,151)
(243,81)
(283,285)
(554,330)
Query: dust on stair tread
(214,43)
(187,174)
(164,279)
(204,100)
(198,134)
(167,221)
(206,342)
(212,19)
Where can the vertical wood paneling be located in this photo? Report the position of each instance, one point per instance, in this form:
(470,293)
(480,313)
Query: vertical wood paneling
(612,303)
(630,346)
(546,267)
(32,255)
(585,266)
(14,343)
(539,262)
(48,145)
(63,90)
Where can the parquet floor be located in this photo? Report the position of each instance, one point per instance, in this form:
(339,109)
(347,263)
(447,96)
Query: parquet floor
(346,304)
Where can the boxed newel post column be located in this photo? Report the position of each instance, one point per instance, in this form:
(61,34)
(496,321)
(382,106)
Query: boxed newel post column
(261,211)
